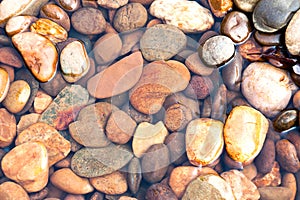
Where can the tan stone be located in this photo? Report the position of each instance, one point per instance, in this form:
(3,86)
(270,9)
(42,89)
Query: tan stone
(27,120)
(113,184)
(18,24)
(117,78)
(57,146)
(66,180)
(17,96)
(250,171)
(7,128)
(146,135)
(195,64)
(289,181)
(41,101)
(204,141)
(27,164)
(12,191)
(11,73)
(244,133)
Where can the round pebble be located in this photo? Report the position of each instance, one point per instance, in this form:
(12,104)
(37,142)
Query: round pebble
(11,190)
(216,51)
(286,155)
(292,38)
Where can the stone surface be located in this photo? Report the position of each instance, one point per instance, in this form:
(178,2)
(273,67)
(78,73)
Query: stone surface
(49,29)
(55,85)
(157,43)
(195,64)
(117,78)
(199,87)
(292,35)
(10,56)
(114,183)
(74,61)
(266,88)
(176,144)
(244,133)
(177,116)
(216,51)
(4,83)
(294,138)
(204,141)
(266,158)
(208,187)
(7,128)
(272,178)
(232,73)
(270,193)
(27,164)
(69,5)
(17,96)
(146,135)
(112,4)
(41,102)
(286,155)
(129,17)
(160,191)
(272,16)
(13,191)
(65,107)
(57,147)
(159,79)
(289,181)
(33,48)
(18,24)
(66,180)
(241,186)
(285,120)
(194,18)
(246,5)
(134,176)
(93,162)
(27,120)
(220,8)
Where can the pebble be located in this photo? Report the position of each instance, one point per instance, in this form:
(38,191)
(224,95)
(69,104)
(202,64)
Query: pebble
(10,56)
(41,101)
(17,96)
(74,61)
(88,20)
(258,78)
(292,35)
(216,51)
(285,120)
(272,178)
(55,85)
(241,186)
(10,70)
(266,158)
(194,18)
(146,135)
(64,108)
(66,180)
(246,5)
(220,8)
(294,138)
(176,144)
(10,8)
(204,141)
(160,191)
(129,17)
(181,176)
(177,116)
(27,164)
(7,128)
(56,14)
(19,24)
(13,191)
(267,18)
(134,176)
(289,181)
(120,127)
(93,162)
(271,193)
(74,197)
(112,4)
(268,39)
(157,43)
(33,48)
(113,184)
(208,187)
(4,83)
(49,29)
(245,127)
(117,78)
(26,120)
(159,79)
(195,65)
(286,155)
(236,26)
(155,163)
(199,87)
(250,171)
(130,40)
(58,147)
(69,5)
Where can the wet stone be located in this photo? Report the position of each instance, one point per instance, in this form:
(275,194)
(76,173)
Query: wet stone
(285,120)
(69,5)
(55,85)
(160,191)
(176,144)
(134,176)
(64,108)
(195,64)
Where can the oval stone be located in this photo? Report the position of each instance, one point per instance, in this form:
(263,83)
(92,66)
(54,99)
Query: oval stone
(4,83)
(285,120)
(39,54)
(18,24)
(10,190)
(244,133)
(27,164)
(17,96)
(8,128)
(204,141)
(292,35)
(57,146)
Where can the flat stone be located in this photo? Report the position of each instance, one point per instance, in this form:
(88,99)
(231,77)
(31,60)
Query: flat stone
(292,36)
(33,48)
(157,43)
(93,162)
(65,107)
(7,128)
(27,164)
(117,78)
(194,18)
(57,146)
